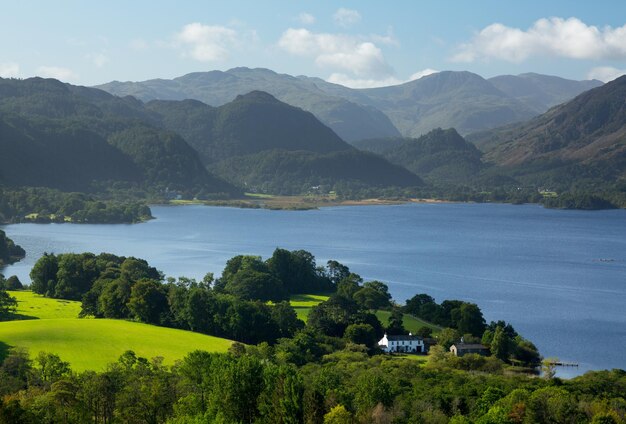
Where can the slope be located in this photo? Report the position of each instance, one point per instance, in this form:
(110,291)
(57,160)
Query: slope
(462,100)
(94,343)
(249,124)
(441,156)
(296,172)
(350,120)
(582,139)
(75,138)
(541,92)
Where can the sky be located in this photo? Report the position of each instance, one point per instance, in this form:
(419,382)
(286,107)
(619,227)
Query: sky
(354,43)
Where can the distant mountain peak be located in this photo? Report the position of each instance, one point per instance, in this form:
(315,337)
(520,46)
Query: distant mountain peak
(257,96)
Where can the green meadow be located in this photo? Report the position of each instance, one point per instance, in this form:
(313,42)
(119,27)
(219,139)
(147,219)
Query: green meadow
(51,325)
(303,303)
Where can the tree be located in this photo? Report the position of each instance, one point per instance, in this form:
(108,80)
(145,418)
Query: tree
(396,322)
(338,415)
(8,305)
(500,344)
(148,301)
(286,318)
(447,337)
(469,319)
(51,368)
(373,295)
(337,271)
(349,285)
(13,283)
(361,334)
(44,274)
(414,305)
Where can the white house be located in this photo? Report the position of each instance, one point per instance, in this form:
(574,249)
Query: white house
(403,343)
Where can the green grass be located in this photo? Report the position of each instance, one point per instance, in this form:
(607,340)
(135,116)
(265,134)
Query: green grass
(31,305)
(94,343)
(303,303)
(52,325)
(411,323)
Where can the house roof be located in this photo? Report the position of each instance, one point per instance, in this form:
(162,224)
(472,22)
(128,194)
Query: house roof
(403,337)
(469,346)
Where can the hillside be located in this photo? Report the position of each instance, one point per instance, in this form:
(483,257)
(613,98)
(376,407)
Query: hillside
(251,123)
(584,139)
(541,92)
(293,172)
(441,156)
(94,343)
(350,120)
(76,138)
(462,100)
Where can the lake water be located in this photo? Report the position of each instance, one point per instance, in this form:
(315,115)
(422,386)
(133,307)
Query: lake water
(558,276)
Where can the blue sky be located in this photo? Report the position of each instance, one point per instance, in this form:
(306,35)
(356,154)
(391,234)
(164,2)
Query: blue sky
(357,43)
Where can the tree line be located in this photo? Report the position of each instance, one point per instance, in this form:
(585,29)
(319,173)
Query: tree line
(257,385)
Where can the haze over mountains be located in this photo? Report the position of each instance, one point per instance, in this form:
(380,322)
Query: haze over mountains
(462,100)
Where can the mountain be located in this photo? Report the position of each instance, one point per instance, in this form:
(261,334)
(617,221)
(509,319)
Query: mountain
(541,92)
(440,156)
(263,144)
(76,138)
(462,100)
(350,120)
(295,172)
(251,123)
(583,139)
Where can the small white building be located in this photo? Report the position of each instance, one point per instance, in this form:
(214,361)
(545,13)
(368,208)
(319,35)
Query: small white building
(402,343)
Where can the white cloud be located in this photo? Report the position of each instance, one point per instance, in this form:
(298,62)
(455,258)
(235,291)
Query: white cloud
(346,17)
(568,38)
(605,73)
(306,18)
(9,70)
(422,73)
(345,80)
(98,59)
(206,43)
(57,72)
(358,57)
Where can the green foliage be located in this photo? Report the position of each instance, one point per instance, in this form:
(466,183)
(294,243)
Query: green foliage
(8,305)
(9,251)
(296,172)
(465,317)
(48,205)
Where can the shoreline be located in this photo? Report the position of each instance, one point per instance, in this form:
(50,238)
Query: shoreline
(299,203)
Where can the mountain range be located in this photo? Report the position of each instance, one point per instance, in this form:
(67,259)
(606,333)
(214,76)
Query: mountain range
(462,100)
(76,138)
(583,139)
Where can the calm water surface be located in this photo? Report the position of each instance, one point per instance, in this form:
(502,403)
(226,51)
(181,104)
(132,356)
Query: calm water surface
(558,276)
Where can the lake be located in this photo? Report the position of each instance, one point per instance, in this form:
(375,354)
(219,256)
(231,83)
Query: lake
(559,277)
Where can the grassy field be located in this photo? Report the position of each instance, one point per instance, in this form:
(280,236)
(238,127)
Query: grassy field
(51,325)
(303,303)
(411,323)
(31,305)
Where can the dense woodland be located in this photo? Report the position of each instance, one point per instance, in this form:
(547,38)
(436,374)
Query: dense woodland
(328,370)
(9,251)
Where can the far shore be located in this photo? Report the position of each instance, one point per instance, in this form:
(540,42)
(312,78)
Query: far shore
(299,202)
